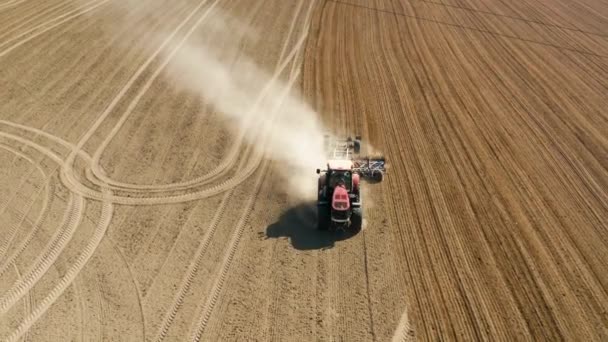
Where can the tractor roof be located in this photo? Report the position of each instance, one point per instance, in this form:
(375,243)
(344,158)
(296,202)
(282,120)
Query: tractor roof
(339,164)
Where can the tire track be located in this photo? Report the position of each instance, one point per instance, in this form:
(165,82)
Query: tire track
(517,18)
(216,189)
(271,302)
(6,263)
(44,211)
(367,286)
(210,231)
(554,244)
(60,20)
(84,191)
(474,29)
(213,175)
(392,68)
(42,149)
(48,256)
(272,306)
(347,312)
(27,303)
(64,67)
(79,294)
(68,278)
(511,163)
(461,180)
(10,169)
(449,258)
(458,265)
(5,243)
(71,273)
(22,179)
(11,4)
(95,167)
(520,157)
(101,302)
(135,285)
(18,290)
(67,172)
(201,323)
(199,326)
(32,18)
(192,270)
(218,172)
(248,149)
(24,326)
(194,265)
(479,174)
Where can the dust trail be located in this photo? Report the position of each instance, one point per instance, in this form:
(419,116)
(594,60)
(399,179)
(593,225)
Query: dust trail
(214,66)
(293,133)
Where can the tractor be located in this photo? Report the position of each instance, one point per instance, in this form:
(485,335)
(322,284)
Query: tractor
(339,192)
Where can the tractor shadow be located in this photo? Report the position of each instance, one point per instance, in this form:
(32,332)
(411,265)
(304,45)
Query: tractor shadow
(299,224)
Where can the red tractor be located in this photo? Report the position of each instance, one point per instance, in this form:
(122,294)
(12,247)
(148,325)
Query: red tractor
(339,195)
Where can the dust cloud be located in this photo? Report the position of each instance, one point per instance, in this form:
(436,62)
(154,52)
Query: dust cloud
(261,107)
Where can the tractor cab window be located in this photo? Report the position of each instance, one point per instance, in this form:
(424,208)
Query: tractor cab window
(341,177)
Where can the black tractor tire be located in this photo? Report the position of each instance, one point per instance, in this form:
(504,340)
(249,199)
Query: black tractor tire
(321,182)
(378,176)
(323,217)
(356,219)
(357,145)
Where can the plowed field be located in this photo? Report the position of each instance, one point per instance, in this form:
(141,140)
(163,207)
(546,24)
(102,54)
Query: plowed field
(130,209)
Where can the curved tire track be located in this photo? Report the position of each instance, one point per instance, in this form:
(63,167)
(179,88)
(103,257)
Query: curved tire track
(69,179)
(67,172)
(47,257)
(199,326)
(4,244)
(50,190)
(227,162)
(71,274)
(210,231)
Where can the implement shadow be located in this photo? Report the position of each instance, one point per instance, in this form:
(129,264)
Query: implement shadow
(299,224)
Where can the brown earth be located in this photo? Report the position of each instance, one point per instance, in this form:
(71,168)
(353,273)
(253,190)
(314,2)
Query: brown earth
(492,222)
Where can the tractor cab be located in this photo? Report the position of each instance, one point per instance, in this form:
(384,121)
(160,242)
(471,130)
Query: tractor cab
(340,178)
(339,172)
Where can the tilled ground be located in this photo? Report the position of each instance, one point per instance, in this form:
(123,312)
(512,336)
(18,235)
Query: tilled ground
(131,211)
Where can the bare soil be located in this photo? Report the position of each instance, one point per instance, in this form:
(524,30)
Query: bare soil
(130,210)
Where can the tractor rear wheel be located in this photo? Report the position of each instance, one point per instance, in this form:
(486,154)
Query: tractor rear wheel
(323,218)
(378,176)
(356,219)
